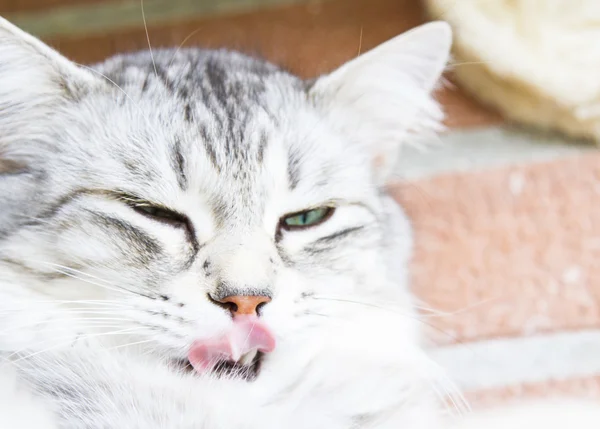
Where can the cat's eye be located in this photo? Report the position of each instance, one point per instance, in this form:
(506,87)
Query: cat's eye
(161,214)
(307,218)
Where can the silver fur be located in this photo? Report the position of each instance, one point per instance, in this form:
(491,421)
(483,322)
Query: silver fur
(96,299)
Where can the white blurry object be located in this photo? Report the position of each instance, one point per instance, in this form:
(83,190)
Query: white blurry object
(536,61)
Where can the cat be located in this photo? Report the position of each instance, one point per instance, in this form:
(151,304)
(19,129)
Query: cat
(200,237)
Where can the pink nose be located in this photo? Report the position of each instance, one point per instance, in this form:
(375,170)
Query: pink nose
(246,305)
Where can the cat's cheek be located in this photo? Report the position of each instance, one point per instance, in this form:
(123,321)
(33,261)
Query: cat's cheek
(185,297)
(96,250)
(281,312)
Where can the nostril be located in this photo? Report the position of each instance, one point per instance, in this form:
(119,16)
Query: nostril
(239,305)
(259,307)
(232,307)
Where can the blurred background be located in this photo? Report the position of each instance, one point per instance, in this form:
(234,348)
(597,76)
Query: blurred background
(504,209)
(307,36)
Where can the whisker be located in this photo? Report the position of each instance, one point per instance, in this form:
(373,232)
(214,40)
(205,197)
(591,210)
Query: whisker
(37,219)
(188,37)
(451,390)
(453,337)
(314,313)
(87,311)
(366,304)
(148,37)
(109,80)
(98,302)
(89,322)
(119,332)
(74,270)
(130,344)
(60,306)
(440,313)
(117,289)
(67,271)
(360,40)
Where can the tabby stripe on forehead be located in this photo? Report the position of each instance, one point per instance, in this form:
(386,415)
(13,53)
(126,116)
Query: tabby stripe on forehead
(188,113)
(208,147)
(215,75)
(262,146)
(293,170)
(179,165)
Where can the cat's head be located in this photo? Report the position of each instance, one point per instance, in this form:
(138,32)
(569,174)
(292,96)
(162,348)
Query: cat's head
(149,199)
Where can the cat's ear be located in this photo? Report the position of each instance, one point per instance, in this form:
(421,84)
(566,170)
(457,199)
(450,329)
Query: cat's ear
(382,98)
(31,71)
(34,81)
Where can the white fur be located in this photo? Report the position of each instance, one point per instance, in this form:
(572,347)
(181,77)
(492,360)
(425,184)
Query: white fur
(19,409)
(339,362)
(90,313)
(557,413)
(536,61)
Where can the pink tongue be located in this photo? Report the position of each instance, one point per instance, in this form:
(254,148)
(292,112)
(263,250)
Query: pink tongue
(247,333)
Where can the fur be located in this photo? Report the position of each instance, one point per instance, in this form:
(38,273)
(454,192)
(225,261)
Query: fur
(230,144)
(99,299)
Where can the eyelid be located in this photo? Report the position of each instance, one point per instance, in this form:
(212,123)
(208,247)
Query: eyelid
(311,205)
(182,219)
(285,227)
(132,200)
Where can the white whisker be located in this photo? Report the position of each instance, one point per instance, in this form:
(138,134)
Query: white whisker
(109,80)
(57,346)
(148,37)
(188,37)
(130,344)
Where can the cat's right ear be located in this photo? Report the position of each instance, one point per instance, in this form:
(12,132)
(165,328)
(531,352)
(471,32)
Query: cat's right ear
(35,80)
(383,98)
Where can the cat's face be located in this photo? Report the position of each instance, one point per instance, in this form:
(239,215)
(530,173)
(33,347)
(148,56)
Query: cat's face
(154,198)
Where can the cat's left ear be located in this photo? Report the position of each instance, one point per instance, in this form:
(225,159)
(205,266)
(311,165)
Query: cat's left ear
(382,98)
(35,81)
(29,67)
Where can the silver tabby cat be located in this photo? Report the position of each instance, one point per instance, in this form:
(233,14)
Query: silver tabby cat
(199,239)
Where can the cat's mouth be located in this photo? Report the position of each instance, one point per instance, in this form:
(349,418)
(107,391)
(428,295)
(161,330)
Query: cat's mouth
(247,367)
(237,352)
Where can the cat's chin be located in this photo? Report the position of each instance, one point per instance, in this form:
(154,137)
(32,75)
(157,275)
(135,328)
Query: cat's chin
(241,369)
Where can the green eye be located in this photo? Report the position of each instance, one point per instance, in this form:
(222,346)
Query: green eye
(307,218)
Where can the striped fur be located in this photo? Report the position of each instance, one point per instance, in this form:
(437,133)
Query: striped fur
(228,145)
